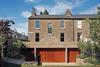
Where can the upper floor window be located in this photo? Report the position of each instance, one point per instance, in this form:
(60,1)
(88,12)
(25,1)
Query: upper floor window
(79,24)
(62,37)
(49,29)
(37,37)
(79,36)
(62,24)
(37,24)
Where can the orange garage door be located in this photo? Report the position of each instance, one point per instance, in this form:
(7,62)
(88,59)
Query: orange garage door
(52,54)
(72,54)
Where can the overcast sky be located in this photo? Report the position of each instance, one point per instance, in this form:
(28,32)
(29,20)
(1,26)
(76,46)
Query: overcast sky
(20,10)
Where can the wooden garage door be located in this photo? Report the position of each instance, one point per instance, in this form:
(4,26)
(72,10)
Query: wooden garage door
(72,54)
(52,54)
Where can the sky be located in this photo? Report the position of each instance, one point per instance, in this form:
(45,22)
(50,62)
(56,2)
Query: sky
(20,10)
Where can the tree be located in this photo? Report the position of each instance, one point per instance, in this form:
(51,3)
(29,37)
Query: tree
(2,40)
(14,49)
(95,29)
(98,11)
(5,28)
(91,48)
(6,31)
(95,33)
(4,35)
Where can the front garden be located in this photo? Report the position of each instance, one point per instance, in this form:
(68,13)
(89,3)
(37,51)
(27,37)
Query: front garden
(90,47)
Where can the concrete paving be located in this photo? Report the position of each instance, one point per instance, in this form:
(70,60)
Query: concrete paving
(64,64)
(59,64)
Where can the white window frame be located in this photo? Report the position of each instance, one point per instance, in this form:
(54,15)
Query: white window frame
(35,24)
(52,28)
(36,37)
(60,24)
(79,24)
(62,37)
(80,36)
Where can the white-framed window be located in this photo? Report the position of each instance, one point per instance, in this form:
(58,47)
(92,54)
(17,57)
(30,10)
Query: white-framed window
(50,29)
(79,24)
(62,24)
(37,24)
(79,36)
(37,37)
(62,37)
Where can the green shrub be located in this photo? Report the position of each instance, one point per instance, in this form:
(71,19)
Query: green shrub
(81,56)
(91,60)
(27,65)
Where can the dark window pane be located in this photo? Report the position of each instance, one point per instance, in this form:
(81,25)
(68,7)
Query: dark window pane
(62,37)
(37,23)
(37,37)
(49,28)
(78,36)
(37,34)
(62,24)
(78,39)
(62,40)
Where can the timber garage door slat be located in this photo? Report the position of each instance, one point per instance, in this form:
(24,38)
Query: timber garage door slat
(72,55)
(52,54)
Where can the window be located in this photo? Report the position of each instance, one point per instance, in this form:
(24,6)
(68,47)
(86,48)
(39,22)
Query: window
(37,24)
(62,37)
(62,24)
(37,37)
(79,36)
(49,29)
(79,24)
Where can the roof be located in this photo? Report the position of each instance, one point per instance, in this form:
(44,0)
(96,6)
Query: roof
(63,17)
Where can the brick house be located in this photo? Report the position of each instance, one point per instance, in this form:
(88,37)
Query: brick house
(55,37)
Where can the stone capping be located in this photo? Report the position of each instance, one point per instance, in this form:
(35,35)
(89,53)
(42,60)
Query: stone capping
(78,17)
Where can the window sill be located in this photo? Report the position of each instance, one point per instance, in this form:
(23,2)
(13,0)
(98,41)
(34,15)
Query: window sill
(62,28)
(30,32)
(49,34)
(79,28)
(37,28)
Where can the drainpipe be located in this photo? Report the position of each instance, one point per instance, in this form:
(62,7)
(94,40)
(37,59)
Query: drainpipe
(35,54)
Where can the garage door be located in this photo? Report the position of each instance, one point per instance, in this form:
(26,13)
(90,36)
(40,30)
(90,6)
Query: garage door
(72,54)
(52,54)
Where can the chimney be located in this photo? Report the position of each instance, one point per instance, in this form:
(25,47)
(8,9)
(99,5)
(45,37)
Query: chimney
(68,12)
(33,11)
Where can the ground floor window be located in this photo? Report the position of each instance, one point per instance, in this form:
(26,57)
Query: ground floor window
(37,37)
(62,37)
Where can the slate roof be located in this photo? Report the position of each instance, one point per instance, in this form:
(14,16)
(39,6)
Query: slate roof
(63,17)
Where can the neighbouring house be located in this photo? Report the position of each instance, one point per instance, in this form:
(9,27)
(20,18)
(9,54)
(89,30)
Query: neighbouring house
(19,36)
(12,33)
(55,37)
